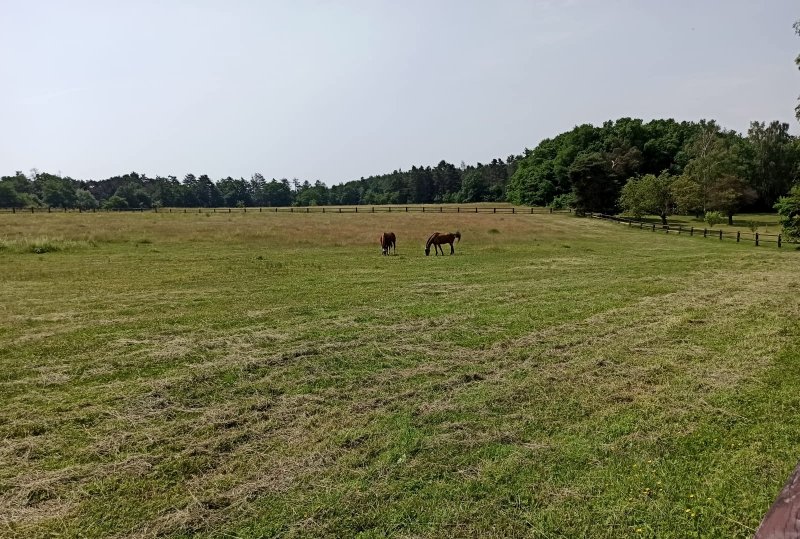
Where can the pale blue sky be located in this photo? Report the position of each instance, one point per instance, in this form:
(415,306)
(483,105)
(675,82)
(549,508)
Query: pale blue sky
(337,90)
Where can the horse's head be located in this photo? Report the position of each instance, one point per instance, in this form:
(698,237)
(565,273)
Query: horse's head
(427,251)
(458,236)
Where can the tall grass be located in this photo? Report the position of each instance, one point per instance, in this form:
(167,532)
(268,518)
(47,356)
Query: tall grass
(42,245)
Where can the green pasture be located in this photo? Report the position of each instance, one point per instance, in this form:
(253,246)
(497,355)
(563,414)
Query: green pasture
(272,375)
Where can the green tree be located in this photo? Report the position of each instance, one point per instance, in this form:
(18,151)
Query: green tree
(773,160)
(115,203)
(596,189)
(9,198)
(58,192)
(234,192)
(135,196)
(797,62)
(19,182)
(686,194)
(710,159)
(85,200)
(649,194)
(474,187)
(789,213)
(729,194)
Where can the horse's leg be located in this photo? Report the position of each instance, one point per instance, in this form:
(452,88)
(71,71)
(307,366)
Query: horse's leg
(451,249)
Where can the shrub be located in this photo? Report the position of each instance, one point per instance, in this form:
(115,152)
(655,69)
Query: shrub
(562,202)
(714,218)
(789,213)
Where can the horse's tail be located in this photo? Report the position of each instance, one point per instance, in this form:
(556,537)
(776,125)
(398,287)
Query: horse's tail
(457,235)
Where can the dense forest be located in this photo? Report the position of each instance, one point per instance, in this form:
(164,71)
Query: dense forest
(655,167)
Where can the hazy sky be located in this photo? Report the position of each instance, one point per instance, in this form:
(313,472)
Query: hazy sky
(338,90)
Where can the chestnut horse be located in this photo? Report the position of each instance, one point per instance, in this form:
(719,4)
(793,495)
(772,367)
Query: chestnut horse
(388,241)
(437,240)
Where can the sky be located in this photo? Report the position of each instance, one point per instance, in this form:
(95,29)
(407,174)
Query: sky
(337,90)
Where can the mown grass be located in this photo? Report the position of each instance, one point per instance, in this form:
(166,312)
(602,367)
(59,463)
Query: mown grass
(764,223)
(254,375)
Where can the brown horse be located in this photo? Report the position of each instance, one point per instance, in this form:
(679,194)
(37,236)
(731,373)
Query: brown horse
(437,240)
(388,241)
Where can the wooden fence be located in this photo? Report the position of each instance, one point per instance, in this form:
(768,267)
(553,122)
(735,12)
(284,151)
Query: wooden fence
(757,238)
(513,210)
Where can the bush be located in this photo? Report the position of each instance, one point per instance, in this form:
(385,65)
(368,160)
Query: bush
(789,213)
(562,202)
(714,218)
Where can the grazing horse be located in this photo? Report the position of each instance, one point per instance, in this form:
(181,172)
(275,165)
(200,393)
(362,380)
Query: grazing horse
(437,240)
(388,241)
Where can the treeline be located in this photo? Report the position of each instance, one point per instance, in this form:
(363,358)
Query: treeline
(443,183)
(660,167)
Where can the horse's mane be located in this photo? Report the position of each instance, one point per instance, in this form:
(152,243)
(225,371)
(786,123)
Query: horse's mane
(430,239)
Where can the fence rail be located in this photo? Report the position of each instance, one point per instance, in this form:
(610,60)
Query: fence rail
(513,210)
(756,237)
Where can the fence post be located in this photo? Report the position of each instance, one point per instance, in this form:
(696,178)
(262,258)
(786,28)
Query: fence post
(12,210)
(406,209)
(779,240)
(340,210)
(423,209)
(48,209)
(680,229)
(654,227)
(356,209)
(458,209)
(512,211)
(551,210)
(31,209)
(738,236)
(494,210)
(476,209)
(259,209)
(245,209)
(691,231)
(307,209)
(705,233)
(756,239)
(440,209)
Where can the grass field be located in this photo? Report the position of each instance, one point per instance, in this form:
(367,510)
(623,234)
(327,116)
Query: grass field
(765,223)
(263,375)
